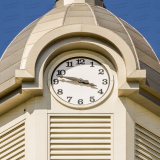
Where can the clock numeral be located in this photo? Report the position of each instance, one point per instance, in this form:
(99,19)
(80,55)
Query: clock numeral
(69,99)
(105,81)
(55,81)
(80,101)
(101,71)
(61,72)
(69,64)
(80,61)
(92,99)
(91,64)
(100,91)
(60,91)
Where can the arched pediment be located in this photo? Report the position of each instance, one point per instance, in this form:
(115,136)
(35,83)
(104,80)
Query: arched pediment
(73,30)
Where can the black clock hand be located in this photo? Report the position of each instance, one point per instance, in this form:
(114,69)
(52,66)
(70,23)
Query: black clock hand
(86,82)
(83,81)
(77,79)
(91,84)
(70,78)
(74,79)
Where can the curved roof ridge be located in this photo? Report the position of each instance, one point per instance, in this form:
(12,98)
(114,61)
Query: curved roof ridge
(142,37)
(131,27)
(126,32)
(80,13)
(21,32)
(29,38)
(66,13)
(39,31)
(93,14)
(137,32)
(152,50)
(136,55)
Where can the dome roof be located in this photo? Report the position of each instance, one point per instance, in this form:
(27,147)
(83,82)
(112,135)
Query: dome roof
(16,54)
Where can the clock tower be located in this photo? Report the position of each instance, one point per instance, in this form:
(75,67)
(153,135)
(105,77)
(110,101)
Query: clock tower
(79,83)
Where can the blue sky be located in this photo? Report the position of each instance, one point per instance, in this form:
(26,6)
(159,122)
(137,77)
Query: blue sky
(144,15)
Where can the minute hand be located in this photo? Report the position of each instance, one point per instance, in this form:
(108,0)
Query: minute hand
(74,79)
(77,80)
(70,78)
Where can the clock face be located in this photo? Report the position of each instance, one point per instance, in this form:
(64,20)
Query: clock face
(80,81)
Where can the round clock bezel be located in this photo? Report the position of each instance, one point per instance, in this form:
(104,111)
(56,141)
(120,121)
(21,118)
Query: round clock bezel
(75,54)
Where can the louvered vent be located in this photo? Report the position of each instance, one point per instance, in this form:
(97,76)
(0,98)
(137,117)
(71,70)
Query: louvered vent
(12,143)
(147,144)
(80,137)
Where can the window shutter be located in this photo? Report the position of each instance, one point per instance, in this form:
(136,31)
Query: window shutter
(12,143)
(147,144)
(85,137)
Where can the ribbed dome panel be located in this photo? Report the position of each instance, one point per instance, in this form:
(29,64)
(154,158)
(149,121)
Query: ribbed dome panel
(108,20)
(11,59)
(79,14)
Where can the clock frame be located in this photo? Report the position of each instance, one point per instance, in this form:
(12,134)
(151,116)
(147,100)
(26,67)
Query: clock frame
(88,55)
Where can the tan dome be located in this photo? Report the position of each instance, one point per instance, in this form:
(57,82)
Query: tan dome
(79,13)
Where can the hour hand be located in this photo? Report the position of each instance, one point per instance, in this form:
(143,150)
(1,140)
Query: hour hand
(91,84)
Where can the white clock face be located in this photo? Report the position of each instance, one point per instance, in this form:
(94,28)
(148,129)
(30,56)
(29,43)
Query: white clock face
(80,81)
